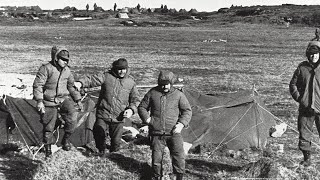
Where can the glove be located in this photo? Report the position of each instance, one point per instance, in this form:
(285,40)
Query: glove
(178,128)
(128,113)
(148,120)
(144,129)
(80,106)
(40,107)
(78,85)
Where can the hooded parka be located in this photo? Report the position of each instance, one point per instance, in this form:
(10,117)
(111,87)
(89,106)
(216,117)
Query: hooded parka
(53,84)
(116,94)
(304,88)
(166,109)
(305,83)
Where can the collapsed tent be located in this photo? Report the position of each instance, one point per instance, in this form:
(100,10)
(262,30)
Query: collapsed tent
(20,122)
(236,120)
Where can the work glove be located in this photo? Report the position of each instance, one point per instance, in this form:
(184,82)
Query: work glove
(127,113)
(80,106)
(78,85)
(41,107)
(177,128)
(148,120)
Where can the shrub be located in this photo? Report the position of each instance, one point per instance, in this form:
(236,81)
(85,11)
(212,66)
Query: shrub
(315,18)
(248,12)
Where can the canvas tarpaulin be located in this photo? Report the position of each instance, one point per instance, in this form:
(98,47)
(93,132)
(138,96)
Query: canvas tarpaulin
(21,122)
(237,120)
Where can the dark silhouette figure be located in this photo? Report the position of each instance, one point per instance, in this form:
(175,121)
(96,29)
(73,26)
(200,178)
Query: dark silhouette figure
(115,7)
(317,33)
(87,7)
(95,7)
(138,7)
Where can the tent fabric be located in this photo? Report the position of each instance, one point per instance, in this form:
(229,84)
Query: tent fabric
(24,121)
(235,120)
(122,15)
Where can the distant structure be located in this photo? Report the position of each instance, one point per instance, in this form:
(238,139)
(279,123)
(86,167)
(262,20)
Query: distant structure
(287,21)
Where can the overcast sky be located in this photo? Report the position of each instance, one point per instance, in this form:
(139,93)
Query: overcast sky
(200,5)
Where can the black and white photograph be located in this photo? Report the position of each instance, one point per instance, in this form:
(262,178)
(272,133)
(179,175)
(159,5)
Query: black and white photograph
(159,90)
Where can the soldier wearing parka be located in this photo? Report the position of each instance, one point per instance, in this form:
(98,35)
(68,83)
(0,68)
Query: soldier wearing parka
(52,87)
(118,99)
(305,89)
(167,111)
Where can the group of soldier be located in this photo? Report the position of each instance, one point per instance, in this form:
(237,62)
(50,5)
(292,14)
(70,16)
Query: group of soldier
(164,109)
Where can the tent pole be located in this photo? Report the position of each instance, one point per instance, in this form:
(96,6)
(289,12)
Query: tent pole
(24,140)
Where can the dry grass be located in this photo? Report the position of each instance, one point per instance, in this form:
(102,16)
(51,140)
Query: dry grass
(260,55)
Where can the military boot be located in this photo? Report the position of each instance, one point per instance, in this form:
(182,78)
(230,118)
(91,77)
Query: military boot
(66,145)
(48,151)
(179,176)
(102,152)
(156,178)
(306,158)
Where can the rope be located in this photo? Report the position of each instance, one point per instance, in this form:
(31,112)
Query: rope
(194,134)
(248,129)
(232,128)
(34,155)
(13,119)
(317,145)
(24,140)
(58,134)
(243,132)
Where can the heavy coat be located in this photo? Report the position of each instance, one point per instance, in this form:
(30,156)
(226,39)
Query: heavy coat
(304,86)
(116,94)
(53,84)
(166,109)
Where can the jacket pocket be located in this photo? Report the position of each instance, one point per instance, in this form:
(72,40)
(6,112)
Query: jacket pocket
(49,95)
(124,96)
(304,102)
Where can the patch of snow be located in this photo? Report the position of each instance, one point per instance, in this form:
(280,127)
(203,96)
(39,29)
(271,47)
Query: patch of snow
(16,85)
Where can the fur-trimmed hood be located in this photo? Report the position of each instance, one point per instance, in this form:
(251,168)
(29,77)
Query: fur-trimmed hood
(166,76)
(54,52)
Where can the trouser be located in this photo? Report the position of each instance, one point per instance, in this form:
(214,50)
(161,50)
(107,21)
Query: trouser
(115,133)
(175,145)
(68,113)
(306,119)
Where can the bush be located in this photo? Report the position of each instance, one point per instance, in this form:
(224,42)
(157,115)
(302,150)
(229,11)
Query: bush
(248,12)
(315,18)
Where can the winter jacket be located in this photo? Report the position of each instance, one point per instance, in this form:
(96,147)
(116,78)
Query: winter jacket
(305,86)
(166,109)
(116,94)
(53,84)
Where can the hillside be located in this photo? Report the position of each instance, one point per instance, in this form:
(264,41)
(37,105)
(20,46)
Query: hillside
(213,52)
(301,15)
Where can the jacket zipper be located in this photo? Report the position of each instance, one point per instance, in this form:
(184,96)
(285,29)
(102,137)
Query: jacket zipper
(57,87)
